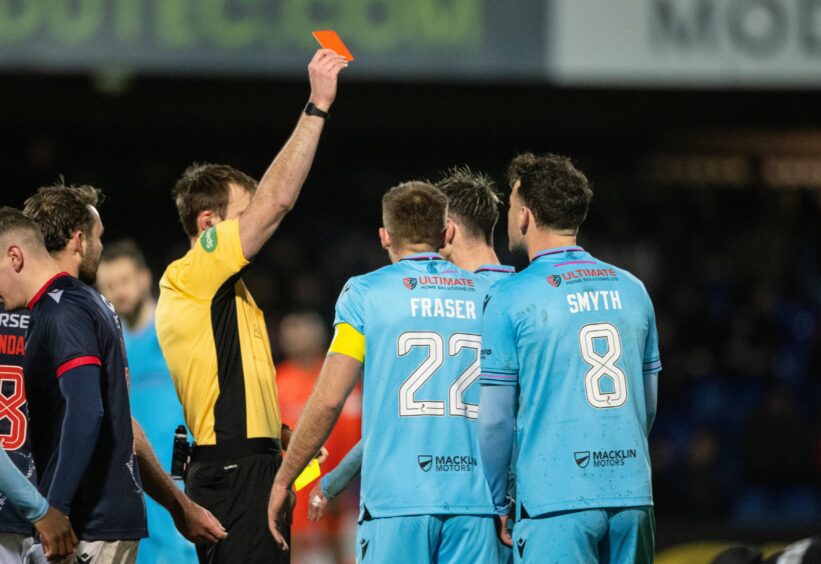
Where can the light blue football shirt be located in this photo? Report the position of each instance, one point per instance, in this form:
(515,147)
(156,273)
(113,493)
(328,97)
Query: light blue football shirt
(578,337)
(421,318)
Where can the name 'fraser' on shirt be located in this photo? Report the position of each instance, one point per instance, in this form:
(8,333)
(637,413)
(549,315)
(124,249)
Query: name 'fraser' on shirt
(437,307)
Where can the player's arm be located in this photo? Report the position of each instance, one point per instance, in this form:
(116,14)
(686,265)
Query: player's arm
(497,402)
(651,366)
(82,420)
(279,188)
(194,522)
(334,483)
(497,414)
(337,378)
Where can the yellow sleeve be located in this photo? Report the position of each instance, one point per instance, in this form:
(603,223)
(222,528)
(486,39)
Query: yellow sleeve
(214,259)
(348,341)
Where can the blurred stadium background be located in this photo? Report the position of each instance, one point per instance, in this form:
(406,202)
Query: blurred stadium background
(698,121)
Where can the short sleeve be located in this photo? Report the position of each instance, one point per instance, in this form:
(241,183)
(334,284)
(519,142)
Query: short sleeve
(652,360)
(71,338)
(500,363)
(350,306)
(215,258)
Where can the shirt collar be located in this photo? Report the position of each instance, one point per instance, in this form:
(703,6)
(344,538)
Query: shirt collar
(496,268)
(422,256)
(558,252)
(41,291)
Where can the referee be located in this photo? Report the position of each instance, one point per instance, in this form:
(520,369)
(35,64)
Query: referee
(213,335)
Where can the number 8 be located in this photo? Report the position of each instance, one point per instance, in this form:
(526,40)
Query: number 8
(603,365)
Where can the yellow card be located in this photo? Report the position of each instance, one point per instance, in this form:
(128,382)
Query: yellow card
(311,473)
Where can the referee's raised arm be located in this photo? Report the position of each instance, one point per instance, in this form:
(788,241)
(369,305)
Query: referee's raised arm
(281,184)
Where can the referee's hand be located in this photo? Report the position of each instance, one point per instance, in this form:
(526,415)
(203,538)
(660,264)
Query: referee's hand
(280,507)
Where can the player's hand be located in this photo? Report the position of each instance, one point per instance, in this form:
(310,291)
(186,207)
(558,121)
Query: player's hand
(501,530)
(322,455)
(323,71)
(280,508)
(56,534)
(318,503)
(198,525)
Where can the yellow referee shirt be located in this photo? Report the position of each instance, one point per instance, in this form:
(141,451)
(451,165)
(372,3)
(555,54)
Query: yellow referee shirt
(215,343)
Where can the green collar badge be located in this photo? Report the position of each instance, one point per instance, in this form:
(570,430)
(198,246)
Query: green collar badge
(208,239)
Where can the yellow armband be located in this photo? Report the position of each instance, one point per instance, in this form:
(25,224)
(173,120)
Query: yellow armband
(348,341)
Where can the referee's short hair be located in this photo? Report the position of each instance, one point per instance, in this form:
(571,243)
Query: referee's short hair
(472,201)
(415,213)
(207,187)
(60,210)
(14,223)
(555,191)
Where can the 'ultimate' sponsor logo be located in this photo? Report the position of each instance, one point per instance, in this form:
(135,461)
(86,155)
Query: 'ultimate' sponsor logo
(588,274)
(453,463)
(554,280)
(440,283)
(603,458)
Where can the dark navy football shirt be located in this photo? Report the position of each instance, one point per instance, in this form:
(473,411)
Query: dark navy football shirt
(72,325)
(14,412)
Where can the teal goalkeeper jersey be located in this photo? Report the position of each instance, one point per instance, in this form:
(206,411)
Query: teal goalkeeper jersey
(421,319)
(578,338)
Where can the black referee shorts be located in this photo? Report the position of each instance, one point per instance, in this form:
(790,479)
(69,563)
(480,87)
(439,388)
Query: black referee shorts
(234,483)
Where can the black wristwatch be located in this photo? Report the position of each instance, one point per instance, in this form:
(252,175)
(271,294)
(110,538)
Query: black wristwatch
(312,110)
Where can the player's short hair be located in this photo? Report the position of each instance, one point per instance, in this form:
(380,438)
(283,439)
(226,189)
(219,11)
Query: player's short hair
(553,189)
(60,210)
(472,200)
(205,186)
(14,221)
(124,248)
(415,213)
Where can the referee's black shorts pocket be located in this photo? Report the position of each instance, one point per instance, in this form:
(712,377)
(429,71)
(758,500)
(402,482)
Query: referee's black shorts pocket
(207,484)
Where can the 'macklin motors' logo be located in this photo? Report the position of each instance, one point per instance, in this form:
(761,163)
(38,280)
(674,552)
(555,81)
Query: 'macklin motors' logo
(425,462)
(582,458)
(410,283)
(554,280)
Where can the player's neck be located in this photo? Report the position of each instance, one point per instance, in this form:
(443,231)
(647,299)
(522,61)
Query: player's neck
(42,271)
(545,240)
(402,252)
(66,263)
(472,256)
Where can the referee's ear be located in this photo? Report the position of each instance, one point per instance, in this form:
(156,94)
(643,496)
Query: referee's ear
(206,219)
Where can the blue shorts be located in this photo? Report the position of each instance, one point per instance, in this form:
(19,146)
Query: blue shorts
(595,535)
(428,538)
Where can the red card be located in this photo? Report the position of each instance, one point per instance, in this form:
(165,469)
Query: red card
(329,39)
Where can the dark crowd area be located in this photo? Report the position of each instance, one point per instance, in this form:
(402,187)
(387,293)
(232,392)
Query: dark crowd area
(734,271)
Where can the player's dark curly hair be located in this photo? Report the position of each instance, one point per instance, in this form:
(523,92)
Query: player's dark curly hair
(414,213)
(207,187)
(60,210)
(472,201)
(553,189)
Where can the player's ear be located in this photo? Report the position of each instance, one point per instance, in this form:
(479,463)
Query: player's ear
(206,219)
(15,257)
(75,244)
(384,238)
(450,232)
(525,219)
